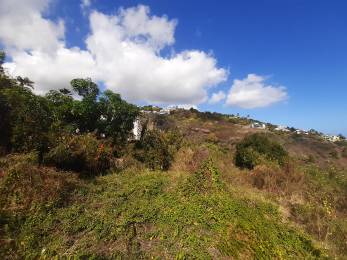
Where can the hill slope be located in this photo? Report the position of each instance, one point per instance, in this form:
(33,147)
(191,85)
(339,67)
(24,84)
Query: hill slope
(202,207)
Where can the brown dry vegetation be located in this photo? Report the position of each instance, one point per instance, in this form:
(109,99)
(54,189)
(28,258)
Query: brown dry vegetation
(310,190)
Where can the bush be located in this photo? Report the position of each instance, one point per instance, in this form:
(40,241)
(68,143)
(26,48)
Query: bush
(82,153)
(253,149)
(156,149)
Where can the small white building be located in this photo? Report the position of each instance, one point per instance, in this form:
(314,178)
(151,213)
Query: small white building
(165,111)
(282,128)
(258,125)
(301,132)
(298,131)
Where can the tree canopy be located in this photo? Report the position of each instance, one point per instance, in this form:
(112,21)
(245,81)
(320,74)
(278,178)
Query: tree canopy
(27,120)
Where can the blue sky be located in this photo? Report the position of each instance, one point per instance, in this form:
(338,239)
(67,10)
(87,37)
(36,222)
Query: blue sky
(296,51)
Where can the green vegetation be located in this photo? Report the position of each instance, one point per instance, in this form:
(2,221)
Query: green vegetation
(75,184)
(257,147)
(81,153)
(30,121)
(156,149)
(142,215)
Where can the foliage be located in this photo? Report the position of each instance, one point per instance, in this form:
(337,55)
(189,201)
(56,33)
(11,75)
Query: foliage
(117,117)
(29,118)
(151,108)
(26,190)
(203,208)
(146,215)
(342,137)
(85,88)
(81,153)
(86,111)
(322,213)
(61,103)
(254,148)
(5,124)
(153,150)
(205,179)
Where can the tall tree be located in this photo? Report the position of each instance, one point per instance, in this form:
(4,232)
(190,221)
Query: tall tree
(117,116)
(86,111)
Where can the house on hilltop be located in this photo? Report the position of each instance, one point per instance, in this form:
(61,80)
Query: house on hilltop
(282,128)
(257,125)
(332,138)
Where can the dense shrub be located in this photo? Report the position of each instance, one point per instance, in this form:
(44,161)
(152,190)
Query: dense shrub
(253,149)
(153,151)
(81,153)
(156,149)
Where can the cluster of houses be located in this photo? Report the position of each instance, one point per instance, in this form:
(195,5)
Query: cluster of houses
(160,111)
(279,128)
(332,138)
(255,125)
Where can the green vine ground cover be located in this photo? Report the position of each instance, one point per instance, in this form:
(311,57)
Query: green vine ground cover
(140,215)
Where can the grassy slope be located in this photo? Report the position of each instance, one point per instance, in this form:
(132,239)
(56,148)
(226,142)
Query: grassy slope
(156,214)
(195,210)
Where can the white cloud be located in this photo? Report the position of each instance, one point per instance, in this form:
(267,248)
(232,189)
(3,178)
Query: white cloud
(22,26)
(140,27)
(252,92)
(85,3)
(217,97)
(85,6)
(123,51)
(53,72)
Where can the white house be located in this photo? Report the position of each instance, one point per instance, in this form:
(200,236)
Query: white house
(298,131)
(282,128)
(258,125)
(301,132)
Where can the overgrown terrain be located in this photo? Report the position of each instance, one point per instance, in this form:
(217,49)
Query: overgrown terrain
(74,183)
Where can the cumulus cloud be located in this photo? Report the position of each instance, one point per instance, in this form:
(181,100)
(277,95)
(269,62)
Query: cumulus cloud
(53,72)
(217,97)
(253,92)
(22,26)
(123,51)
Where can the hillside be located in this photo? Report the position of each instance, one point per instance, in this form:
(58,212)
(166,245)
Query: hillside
(77,180)
(202,206)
